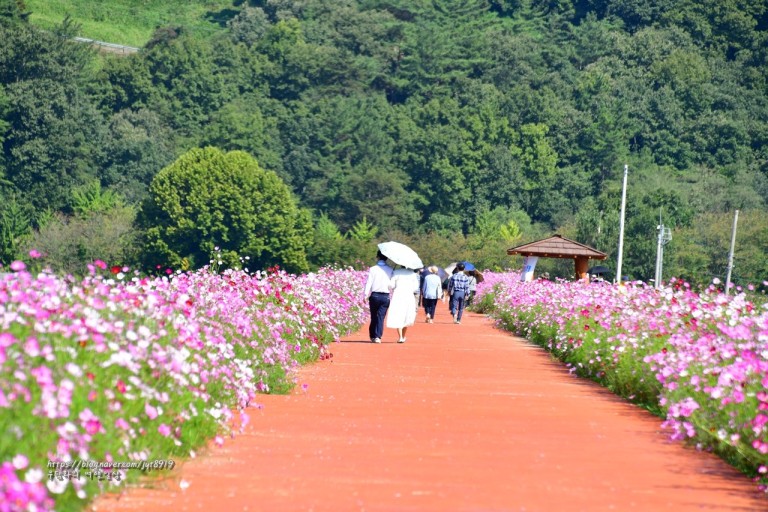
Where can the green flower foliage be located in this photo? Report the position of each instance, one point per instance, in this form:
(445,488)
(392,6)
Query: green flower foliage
(209,198)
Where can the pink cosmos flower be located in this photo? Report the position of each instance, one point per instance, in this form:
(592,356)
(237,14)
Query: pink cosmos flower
(34,253)
(164,430)
(7,339)
(150,410)
(18,266)
(759,421)
(90,422)
(760,446)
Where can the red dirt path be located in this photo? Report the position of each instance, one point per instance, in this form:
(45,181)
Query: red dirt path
(459,418)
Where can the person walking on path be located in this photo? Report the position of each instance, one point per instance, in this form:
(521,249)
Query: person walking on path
(402,311)
(458,288)
(447,291)
(472,287)
(431,291)
(377,295)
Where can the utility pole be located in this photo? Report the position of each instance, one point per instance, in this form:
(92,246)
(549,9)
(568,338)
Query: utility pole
(621,225)
(730,253)
(665,235)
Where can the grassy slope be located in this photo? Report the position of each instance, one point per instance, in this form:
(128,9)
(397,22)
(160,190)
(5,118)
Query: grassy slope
(130,22)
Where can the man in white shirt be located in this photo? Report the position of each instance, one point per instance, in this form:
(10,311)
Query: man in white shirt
(377,293)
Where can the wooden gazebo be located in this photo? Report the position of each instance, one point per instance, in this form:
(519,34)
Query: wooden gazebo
(559,247)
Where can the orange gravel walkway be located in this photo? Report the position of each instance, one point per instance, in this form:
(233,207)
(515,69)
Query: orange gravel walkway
(459,418)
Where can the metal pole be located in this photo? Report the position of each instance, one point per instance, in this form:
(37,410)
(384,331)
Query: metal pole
(661,259)
(659,256)
(730,253)
(621,224)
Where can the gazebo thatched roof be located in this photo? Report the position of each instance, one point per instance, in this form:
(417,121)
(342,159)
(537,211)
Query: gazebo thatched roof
(557,247)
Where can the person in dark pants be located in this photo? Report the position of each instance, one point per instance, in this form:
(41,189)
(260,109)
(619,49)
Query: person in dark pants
(458,288)
(377,294)
(431,291)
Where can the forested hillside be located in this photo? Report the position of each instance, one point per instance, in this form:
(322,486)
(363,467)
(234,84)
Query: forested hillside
(460,126)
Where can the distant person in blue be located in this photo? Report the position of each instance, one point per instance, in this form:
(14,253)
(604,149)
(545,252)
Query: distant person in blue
(431,291)
(458,289)
(377,294)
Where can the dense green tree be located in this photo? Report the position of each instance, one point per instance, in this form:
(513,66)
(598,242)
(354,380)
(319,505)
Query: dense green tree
(13,12)
(327,244)
(53,132)
(341,162)
(728,25)
(4,128)
(363,231)
(249,25)
(55,141)
(91,199)
(123,83)
(186,87)
(295,63)
(444,43)
(538,165)
(596,227)
(15,225)
(138,145)
(207,199)
(28,53)
(241,125)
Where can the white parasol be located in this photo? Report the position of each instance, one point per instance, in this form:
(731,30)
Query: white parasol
(401,254)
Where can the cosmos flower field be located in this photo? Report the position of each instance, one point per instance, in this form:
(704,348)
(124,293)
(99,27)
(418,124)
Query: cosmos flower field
(135,373)
(698,359)
(108,378)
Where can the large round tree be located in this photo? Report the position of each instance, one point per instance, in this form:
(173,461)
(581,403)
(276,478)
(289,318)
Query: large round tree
(207,199)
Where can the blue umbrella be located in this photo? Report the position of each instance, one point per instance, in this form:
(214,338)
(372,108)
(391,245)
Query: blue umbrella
(467,266)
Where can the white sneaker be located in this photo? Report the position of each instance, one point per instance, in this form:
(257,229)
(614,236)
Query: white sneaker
(401,340)
(377,340)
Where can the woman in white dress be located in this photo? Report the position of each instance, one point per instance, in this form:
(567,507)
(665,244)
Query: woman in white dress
(402,307)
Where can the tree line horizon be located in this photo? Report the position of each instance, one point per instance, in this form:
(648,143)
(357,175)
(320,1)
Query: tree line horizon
(302,132)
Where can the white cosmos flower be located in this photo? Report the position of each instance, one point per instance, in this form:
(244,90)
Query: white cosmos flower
(57,486)
(34,476)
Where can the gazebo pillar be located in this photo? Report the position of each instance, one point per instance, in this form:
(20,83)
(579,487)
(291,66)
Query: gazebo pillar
(582,267)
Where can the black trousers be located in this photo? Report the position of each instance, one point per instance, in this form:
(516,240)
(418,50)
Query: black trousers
(379,304)
(430,305)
